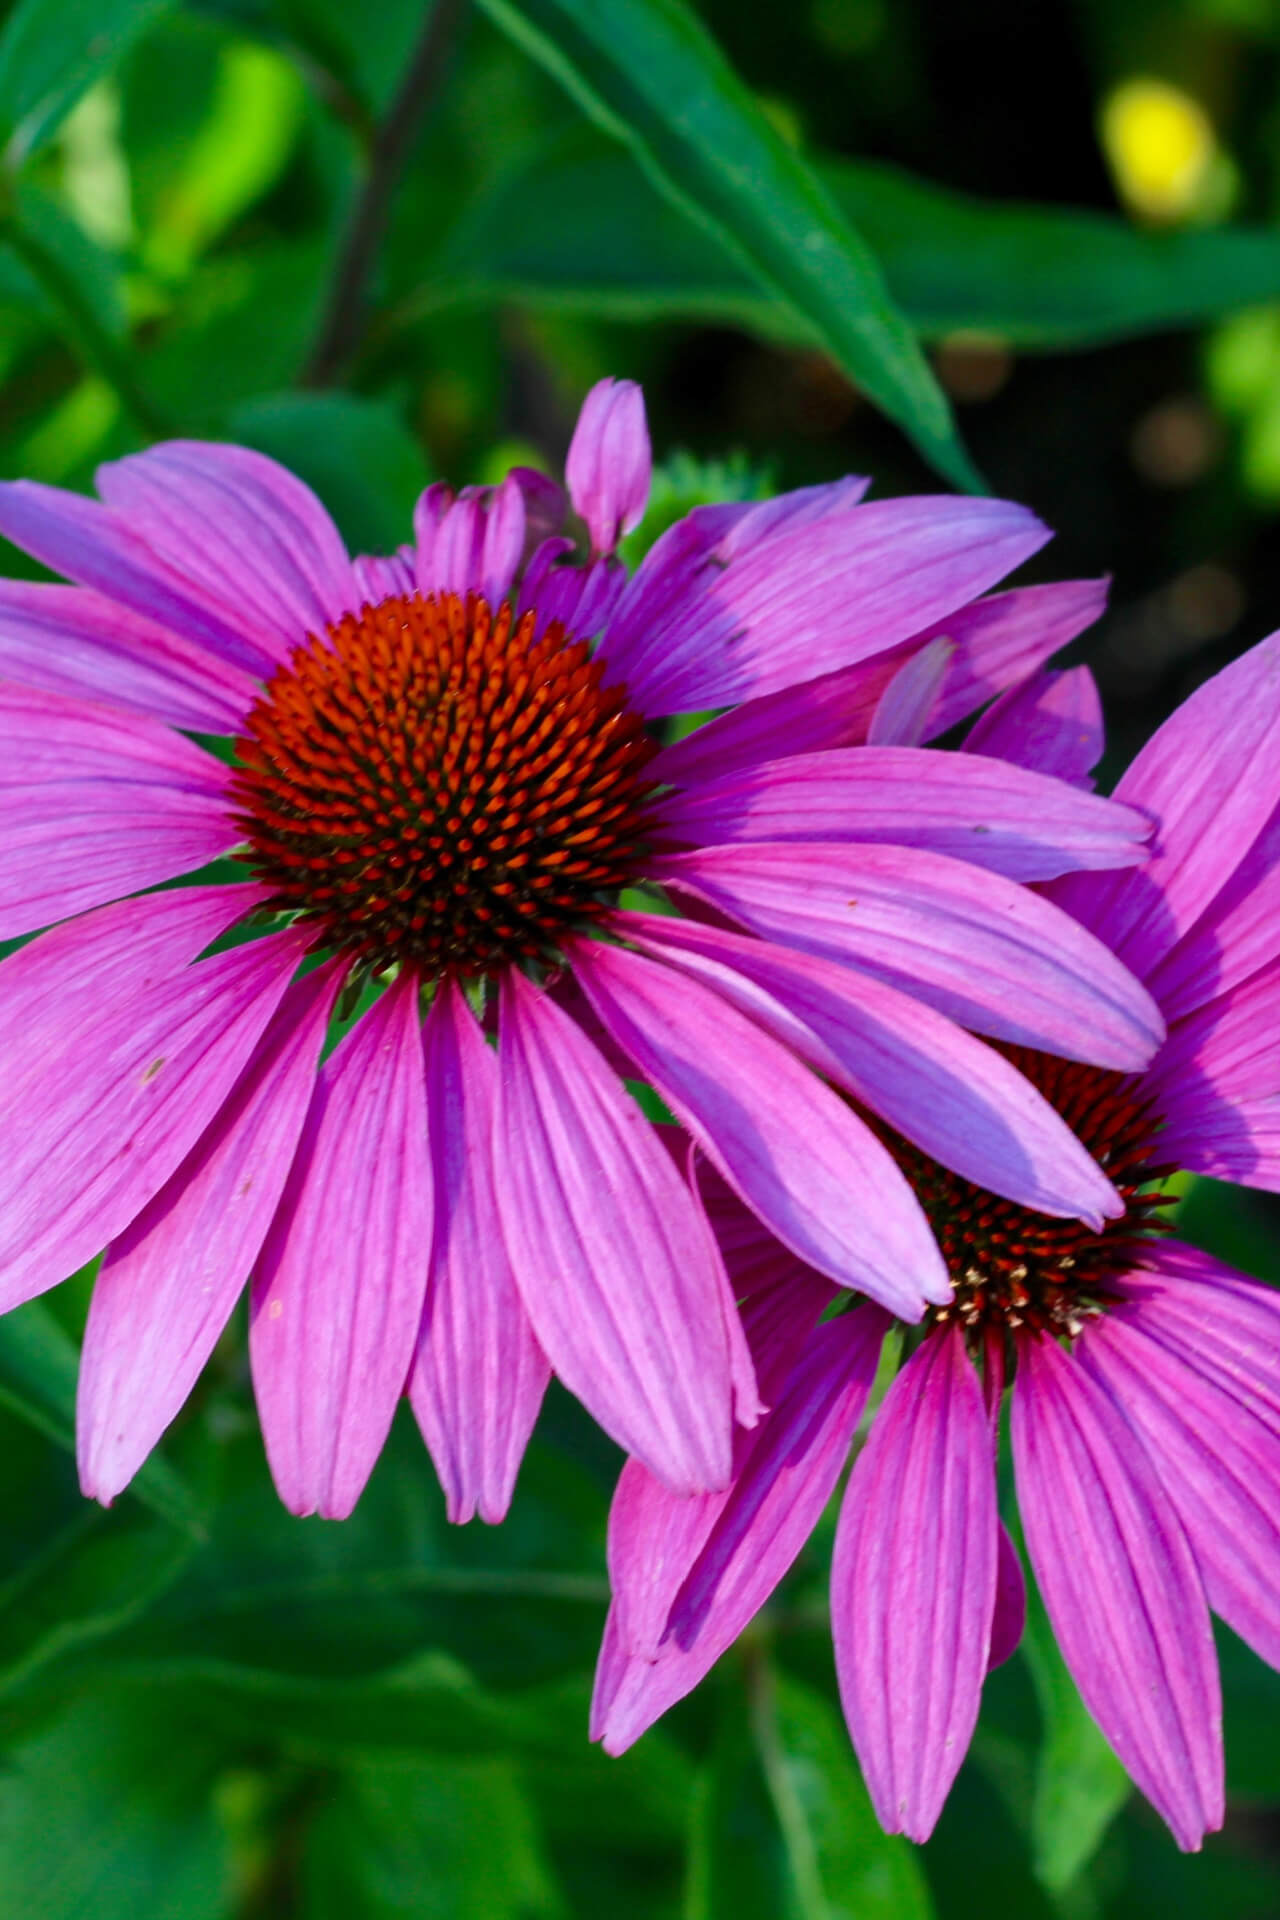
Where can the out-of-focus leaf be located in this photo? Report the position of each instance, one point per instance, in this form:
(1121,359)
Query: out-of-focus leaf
(362,461)
(51,51)
(1251,1713)
(648,73)
(442,1837)
(737,1867)
(218,328)
(1080,1785)
(93,269)
(105,1814)
(38,1366)
(842,1862)
(576,226)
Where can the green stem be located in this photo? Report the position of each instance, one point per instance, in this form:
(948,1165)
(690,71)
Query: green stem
(801,1853)
(98,352)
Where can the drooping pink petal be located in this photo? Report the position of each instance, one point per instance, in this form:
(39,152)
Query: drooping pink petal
(1211,777)
(96,803)
(997,642)
(1121,1585)
(338,1289)
(1051,723)
(88,543)
(615,1263)
(609,462)
(902,713)
(1212,1318)
(70,640)
(1236,936)
(959,1101)
(1217,1462)
(974,945)
(479,1374)
(169,1283)
(913,1584)
(1013,821)
(790,1147)
(771,1510)
(775,597)
(249,537)
(1009,1618)
(118,1054)
(655,1536)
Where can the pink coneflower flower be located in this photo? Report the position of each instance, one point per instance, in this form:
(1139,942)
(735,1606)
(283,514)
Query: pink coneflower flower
(447,771)
(1146,1375)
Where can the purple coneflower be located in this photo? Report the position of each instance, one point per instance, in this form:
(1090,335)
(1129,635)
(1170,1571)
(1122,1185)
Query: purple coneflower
(1146,1375)
(447,771)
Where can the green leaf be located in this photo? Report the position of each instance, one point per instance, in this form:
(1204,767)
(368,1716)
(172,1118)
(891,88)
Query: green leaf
(38,1364)
(441,1837)
(737,1868)
(648,73)
(1080,1785)
(51,51)
(576,227)
(365,465)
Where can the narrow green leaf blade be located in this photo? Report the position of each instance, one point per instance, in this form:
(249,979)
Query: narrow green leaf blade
(649,74)
(51,51)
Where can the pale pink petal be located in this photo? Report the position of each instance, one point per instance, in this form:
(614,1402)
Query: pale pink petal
(70,640)
(913,1584)
(1023,824)
(479,1374)
(338,1290)
(1051,723)
(609,463)
(778,597)
(959,1101)
(771,1510)
(118,1054)
(903,711)
(615,1263)
(249,538)
(1217,1462)
(1210,777)
(96,803)
(972,944)
(1121,1585)
(790,1147)
(169,1283)
(996,642)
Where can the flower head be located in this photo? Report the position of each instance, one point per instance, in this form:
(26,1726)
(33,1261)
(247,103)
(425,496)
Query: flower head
(444,773)
(1145,1375)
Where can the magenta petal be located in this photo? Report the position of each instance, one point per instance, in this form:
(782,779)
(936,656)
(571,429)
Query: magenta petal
(770,1511)
(1121,1585)
(1010,1616)
(1026,825)
(473,544)
(169,1282)
(479,1375)
(1212,1318)
(69,640)
(789,1146)
(779,596)
(96,803)
(251,539)
(609,462)
(1210,776)
(977,947)
(1051,723)
(615,1263)
(995,643)
(902,714)
(959,1101)
(380,576)
(337,1295)
(913,1584)
(118,1054)
(1219,1465)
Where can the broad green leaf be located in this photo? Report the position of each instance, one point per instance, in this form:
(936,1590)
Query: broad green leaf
(51,51)
(1080,1785)
(105,1814)
(849,1868)
(442,1837)
(359,457)
(577,227)
(649,74)
(38,1365)
(97,274)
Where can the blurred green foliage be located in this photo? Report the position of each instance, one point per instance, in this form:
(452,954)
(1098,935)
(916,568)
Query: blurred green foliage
(235,217)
